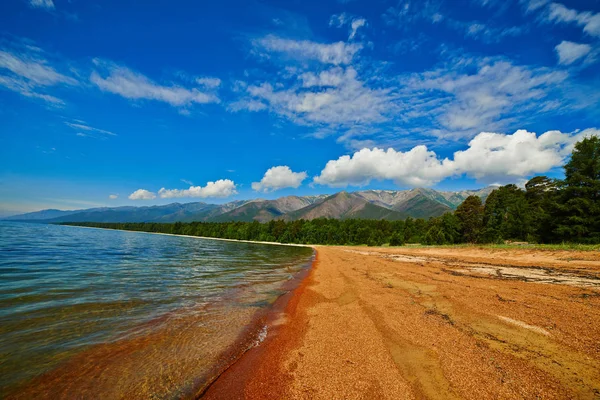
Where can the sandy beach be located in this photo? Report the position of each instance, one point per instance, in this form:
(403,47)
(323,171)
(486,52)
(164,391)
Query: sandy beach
(431,323)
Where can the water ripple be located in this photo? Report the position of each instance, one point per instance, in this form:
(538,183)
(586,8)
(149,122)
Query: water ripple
(64,289)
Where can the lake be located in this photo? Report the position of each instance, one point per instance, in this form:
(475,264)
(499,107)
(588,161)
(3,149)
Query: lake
(91,312)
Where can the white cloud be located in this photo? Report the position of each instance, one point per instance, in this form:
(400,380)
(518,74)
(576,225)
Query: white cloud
(208,82)
(334,98)
(406,13)
(278,178)
(339,20)
(490,157)
(355,25)
(142,194)
(133,85)
(475,28)
(27,72)
(88,130)
(333,77)
(485,32)
(220,188)
(569,52)
(25,89)
(113,196)
(590,21)
(479,93)
(532,5)
(461,97)
(494,156)
(46,4)
(34,70)
(332,53)
(417,167)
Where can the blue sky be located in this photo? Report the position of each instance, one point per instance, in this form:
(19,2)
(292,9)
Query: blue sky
(121,103)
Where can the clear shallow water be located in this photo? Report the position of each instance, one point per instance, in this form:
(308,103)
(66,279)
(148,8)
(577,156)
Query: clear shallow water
(73,295)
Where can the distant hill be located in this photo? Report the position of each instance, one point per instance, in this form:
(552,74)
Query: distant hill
(168,213)
(458,197)
(41,215)
(404,200)
(345,205)
(267,210)
(367,204)
(423,207)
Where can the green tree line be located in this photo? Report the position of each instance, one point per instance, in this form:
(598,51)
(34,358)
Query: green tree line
(545,211)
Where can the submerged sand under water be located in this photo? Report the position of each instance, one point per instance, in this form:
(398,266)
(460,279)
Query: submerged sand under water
(103,314)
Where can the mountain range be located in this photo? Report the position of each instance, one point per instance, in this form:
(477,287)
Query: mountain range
(369,204)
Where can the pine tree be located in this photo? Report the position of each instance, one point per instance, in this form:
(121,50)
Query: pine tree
(470,215)
(579,212)
(541,194)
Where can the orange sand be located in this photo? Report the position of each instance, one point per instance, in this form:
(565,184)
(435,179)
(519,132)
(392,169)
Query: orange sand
(436,323)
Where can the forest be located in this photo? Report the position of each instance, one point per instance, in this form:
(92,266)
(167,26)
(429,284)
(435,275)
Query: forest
(544,211)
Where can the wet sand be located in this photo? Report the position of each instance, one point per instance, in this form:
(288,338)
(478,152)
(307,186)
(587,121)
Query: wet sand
(437,323)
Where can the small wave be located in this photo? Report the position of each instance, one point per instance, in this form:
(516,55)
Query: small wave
(262,335)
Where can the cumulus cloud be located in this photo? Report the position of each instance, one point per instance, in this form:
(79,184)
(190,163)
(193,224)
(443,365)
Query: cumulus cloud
(121,80)
(490,157)
(327,53)
(45,4)
(588,20)
(569,52)
(220,188)
(142,194)
(278,178)
(113,196)
(495,156)
(417,167)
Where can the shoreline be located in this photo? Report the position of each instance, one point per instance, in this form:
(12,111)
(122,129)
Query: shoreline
(259,329)
(52,383)
(198,237)
(422,323)
(280,313)
(409,322)
(284,322)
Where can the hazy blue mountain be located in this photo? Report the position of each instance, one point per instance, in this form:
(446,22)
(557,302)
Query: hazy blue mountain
(41,215)
(167,213)
(373,204)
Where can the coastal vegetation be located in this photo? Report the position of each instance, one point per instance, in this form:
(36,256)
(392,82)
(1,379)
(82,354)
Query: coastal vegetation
(545,211)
